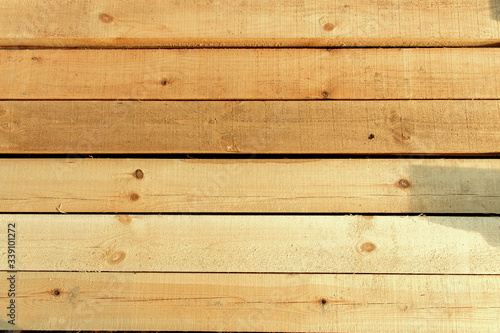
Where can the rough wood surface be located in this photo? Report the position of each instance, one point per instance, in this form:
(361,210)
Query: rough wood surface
(251,185)
(334,127)
(251,74)
(193,23)
(254,302)
(253,94)
(271,244)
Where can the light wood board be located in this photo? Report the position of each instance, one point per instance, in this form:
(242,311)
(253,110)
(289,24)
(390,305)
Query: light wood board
(251,74)
(236,243)
(194,23)
(254,302)
(251,185)
(333,127)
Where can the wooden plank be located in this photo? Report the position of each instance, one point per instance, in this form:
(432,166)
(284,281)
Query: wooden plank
(192,23)
(251,185)
(271,244)
(251,74)
(253,302)
(334,127)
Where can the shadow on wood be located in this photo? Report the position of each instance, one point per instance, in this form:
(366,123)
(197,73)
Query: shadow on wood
(489,230)
(495,9)
(458,186)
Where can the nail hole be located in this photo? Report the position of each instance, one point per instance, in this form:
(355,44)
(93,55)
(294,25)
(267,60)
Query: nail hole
(371,137)
(56,292)
(323,301)
(166,81)
(325,94)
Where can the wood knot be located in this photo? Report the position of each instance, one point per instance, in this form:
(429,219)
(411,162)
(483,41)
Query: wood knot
(9,126)
(404,184)
(106,18)
(125,219)
(367,247)
(116,257)
(325,94)
(328,27)
(395,118)
(134,197)
(139,174)
(34,58)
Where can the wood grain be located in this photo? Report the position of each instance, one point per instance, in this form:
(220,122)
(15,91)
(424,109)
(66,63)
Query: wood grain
(194,23)
(254,302)
(331,127)
(251,185)
(251,74)
(256,244)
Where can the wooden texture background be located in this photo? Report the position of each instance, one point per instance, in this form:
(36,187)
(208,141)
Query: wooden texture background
(263,165)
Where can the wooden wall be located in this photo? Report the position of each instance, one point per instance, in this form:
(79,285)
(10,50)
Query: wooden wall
(250,165)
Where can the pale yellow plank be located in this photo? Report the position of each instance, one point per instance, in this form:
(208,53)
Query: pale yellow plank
(250,74)
(336,127)
(247,185)
(253,302)
(192,23)
(279,244)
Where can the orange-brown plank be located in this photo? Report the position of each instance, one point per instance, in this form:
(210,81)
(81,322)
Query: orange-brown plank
(336,127)
(192,23)
(251,74)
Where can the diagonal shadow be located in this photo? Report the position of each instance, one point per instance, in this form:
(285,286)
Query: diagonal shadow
(457,190)
(495,9)
(489,228)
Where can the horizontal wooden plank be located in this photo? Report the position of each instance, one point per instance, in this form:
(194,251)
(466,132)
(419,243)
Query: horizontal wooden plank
(236,243)
(251,185)
(192,23)
(252,302)
(335,127)
(251,74)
